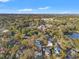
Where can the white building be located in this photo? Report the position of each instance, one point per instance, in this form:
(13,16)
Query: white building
(47,19)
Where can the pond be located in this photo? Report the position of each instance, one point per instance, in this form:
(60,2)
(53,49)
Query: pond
(74,35)
(38,44)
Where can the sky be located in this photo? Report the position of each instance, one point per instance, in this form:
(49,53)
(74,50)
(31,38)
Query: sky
(39,6)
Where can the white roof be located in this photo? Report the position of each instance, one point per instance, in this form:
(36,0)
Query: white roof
(5,31)
(49,43)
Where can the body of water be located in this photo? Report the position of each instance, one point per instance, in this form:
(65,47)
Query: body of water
(74,35)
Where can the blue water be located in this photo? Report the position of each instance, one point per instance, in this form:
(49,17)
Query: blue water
(74,35)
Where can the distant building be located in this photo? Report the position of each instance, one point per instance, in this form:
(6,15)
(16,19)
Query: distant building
(47,19)
(4,31)
(42,27)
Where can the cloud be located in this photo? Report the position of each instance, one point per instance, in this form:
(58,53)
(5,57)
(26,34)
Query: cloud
(4,0)
(25,10)
(41,8)
(36,10)
(44,10)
